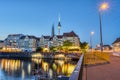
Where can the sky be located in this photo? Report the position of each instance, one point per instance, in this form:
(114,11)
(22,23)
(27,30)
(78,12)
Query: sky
(36,17)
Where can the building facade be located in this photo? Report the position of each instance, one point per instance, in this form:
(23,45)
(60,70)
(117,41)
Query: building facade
(13,40)
(21,42)
(72,37)
(116,45)
(57,40)
(2,44)
(28,43)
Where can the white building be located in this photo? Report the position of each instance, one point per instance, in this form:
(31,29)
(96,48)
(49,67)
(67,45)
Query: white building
(44,41)
(57,40)
(13,40)
(28,43)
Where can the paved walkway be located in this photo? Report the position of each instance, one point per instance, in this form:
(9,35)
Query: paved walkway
(110,71)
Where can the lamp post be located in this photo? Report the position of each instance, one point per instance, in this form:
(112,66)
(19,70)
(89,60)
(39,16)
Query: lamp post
(91,34)
(102,7)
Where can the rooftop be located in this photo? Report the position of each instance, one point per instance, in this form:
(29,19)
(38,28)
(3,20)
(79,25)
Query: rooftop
(70,34)
(116,41)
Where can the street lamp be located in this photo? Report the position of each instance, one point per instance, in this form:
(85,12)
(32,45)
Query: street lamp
(91,34)
(102,7)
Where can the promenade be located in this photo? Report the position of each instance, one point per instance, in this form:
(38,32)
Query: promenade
(108,71)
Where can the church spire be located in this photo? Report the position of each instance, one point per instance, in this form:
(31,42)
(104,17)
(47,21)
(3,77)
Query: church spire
(53,33)
(59,25)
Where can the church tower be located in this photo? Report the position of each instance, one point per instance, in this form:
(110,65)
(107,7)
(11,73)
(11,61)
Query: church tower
(59,26)
(53,33)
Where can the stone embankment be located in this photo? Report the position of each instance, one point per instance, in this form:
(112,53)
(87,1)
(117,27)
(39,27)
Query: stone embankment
(41,55)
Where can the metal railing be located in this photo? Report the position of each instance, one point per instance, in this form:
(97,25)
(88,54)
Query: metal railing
(77,73)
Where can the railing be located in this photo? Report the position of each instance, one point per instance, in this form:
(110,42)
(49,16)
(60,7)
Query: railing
(77,73)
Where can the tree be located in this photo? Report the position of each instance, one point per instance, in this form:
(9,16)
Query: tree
(1,48)
(67,43)
(84,46)
(59,48)
(52,48)
(39,49)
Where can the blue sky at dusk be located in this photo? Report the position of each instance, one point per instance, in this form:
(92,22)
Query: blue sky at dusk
(35,17)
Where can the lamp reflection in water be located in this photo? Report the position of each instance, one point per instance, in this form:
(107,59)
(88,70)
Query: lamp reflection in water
(10,65)
(29,68)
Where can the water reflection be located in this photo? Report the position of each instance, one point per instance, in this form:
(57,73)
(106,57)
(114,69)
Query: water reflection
(55,67)
(10,65)
(14,69)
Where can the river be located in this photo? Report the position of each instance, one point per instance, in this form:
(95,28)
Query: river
(22,69)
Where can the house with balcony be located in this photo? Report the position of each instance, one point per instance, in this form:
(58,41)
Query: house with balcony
(116,45)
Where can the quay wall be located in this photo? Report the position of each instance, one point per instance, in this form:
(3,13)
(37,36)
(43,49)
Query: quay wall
(43,55)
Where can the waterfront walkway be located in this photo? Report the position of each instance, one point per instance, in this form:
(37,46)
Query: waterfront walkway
(108,71)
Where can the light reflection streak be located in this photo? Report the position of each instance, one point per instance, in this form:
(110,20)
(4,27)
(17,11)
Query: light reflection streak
(61,67)
(10,65)
(52,67)
(29,68)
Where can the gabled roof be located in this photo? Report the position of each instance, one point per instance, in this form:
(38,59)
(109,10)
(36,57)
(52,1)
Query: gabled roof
(59,36)
(30,37)
(1,41)
(116,41)
(51,38)
(46,37)
(106,46)
(70,34)
(15,34)
(23,37)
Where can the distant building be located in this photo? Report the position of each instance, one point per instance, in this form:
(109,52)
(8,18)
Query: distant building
(57,40)
(2,44)
(72,37)
(116,45)
(44,41)
(28,43)
(107,47)
(13,40)
(98,47)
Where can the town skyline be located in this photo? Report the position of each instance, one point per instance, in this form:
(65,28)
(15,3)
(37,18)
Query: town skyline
(37,17)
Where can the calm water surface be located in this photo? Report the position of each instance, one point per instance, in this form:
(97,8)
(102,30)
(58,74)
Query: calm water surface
(16,69)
